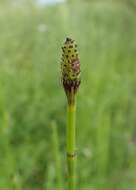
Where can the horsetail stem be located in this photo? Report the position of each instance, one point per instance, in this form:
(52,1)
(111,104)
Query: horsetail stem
(70,67)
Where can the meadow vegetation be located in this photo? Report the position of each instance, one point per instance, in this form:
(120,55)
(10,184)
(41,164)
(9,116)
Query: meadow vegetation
(33,104)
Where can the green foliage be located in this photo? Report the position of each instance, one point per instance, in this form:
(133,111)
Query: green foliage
(31,95)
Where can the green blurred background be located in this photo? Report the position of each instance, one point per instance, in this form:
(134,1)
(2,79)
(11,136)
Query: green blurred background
(33,104)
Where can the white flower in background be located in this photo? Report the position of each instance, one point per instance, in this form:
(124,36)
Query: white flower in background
(87,152)
(49,2)
(42,28)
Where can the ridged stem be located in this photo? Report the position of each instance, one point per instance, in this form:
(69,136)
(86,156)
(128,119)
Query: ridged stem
(71,145)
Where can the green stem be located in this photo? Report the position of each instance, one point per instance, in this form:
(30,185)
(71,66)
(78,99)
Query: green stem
(71,146)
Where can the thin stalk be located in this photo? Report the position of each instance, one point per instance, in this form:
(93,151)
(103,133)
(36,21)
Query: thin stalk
(71,146)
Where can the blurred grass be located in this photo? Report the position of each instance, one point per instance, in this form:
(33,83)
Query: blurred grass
(31,95)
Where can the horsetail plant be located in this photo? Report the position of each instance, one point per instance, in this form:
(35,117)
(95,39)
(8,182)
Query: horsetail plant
(70,68)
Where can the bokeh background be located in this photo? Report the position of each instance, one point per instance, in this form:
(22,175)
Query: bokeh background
(33,104)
